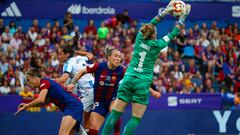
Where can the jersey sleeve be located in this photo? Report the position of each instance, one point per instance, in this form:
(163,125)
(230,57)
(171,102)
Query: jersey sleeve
(163,42)
(44,84)
(154,21)
(92,68)
(67,67)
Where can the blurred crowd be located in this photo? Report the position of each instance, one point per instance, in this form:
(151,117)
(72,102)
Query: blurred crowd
(202,59)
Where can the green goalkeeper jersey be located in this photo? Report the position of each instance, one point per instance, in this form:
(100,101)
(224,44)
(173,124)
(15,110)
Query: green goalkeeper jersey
(145,54)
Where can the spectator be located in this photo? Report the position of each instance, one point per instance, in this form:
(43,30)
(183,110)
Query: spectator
(12,91)
(35,25)
(76,33)
(1,26)
(205,41)
(5,89)
(65,34)
(27,95)
(68,21)
(12,27)
(177,73)
(4,65)
(181,41)
(228,70)
(15,42)
(191,67)
(215,41)
(32,33)
(54,61)
(6,35)
(102,31)
(90,29)
(123,17)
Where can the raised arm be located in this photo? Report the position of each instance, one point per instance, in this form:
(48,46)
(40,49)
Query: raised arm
(176,30)
(83,53)
(164,12)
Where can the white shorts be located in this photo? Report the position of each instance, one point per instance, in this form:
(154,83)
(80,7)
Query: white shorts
(87,99)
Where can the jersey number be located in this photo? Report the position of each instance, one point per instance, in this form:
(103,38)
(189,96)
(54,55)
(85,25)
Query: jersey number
(142,58)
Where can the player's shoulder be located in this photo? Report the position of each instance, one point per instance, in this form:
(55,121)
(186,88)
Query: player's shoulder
(102,64)
(46,80)
(68,61)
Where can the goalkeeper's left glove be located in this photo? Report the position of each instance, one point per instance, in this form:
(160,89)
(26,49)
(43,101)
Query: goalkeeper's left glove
(186,12)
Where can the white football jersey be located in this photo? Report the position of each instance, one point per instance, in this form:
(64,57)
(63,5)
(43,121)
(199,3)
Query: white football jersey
(73,66)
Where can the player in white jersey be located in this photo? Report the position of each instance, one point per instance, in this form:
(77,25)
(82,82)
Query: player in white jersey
(74,61)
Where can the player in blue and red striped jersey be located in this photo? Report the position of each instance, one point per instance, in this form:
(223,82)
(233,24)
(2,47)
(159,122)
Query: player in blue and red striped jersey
(56,93)
(107,77)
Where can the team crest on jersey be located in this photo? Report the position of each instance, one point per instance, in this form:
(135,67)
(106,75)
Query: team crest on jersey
(101,83)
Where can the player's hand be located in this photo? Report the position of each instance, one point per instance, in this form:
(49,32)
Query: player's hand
(236,100)
(21,107)
(156,94)
(185,14)
(168,9)
(70,87)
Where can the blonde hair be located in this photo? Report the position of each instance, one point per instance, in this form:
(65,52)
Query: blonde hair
(33,72)
(148,30)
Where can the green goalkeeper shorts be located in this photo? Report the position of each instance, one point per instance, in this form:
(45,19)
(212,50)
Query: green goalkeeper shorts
(133,89)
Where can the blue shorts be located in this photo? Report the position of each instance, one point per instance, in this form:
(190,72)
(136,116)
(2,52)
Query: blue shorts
(76,111)
(102,108)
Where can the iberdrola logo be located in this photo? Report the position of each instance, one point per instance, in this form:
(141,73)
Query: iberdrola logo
(75,9)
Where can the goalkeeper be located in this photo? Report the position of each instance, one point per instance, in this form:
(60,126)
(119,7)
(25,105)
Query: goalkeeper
(138,77)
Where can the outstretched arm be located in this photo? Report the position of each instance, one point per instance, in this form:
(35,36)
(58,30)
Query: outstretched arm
(162,43)
(40,99)
(166,11)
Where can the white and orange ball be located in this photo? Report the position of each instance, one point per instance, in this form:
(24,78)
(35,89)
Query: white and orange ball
(178,8)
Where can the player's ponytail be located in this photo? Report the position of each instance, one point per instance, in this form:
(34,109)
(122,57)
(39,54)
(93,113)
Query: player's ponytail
(109,51)
(147,30)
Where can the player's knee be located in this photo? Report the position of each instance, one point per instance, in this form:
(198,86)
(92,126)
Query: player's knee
(94,125)
(64,131)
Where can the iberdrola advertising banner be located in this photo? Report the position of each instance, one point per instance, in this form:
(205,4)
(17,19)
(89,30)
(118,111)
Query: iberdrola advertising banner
(55,9)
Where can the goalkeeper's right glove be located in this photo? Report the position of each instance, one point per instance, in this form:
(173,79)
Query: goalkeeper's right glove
(167,10)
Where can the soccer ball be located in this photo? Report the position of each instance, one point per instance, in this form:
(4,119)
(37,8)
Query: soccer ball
(178,8)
